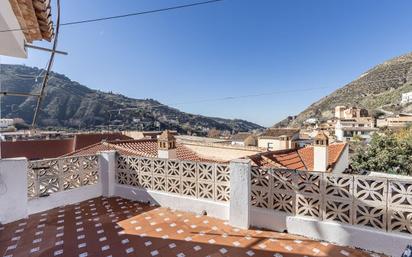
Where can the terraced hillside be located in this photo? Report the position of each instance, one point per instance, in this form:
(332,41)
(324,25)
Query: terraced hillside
(68,104)
(379,89)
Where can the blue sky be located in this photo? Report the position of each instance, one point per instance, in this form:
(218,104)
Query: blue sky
(295,50)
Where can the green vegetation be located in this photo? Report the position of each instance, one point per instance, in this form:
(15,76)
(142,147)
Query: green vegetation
(387,152)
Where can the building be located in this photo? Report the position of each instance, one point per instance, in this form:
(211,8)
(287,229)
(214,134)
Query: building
(346,129)
(244,139)
(343,112)
(321,156)
(274,139)
(406,98)
(6,124)
(400,121)
(136,134)
(351,122)
(47,146)
(19,15)
(165,146)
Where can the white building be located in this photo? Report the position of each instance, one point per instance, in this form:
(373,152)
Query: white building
(362,127)
(6,123)
(406,98)
(275,139)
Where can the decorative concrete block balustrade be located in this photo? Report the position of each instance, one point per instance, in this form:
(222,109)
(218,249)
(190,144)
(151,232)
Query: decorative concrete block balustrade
(373,213)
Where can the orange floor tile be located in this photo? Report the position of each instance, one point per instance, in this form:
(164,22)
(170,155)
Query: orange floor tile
(117,227)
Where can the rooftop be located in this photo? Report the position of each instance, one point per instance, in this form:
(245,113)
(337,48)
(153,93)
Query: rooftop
(241,136)
(299,159)
(119,227)
(277,132)
(141,147)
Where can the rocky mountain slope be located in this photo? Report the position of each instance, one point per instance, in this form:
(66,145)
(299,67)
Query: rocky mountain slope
(68,104)
(378,90)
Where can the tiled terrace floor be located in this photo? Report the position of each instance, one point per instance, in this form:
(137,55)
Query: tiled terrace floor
(118,227)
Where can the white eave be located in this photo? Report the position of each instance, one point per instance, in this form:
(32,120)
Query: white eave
(12,42)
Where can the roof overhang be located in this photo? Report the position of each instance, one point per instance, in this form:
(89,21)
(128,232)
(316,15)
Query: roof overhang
(12,43)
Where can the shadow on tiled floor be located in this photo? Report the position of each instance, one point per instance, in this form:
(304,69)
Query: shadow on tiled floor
(117,227)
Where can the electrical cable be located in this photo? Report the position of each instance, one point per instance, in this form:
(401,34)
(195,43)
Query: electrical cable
(122,15)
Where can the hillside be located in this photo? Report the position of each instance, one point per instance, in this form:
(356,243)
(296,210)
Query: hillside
(68,104)
(378,90)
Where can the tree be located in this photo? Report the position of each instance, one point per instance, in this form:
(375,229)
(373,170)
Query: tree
(387,152)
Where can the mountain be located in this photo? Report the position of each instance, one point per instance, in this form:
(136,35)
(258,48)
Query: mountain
(68,104)
(379,90)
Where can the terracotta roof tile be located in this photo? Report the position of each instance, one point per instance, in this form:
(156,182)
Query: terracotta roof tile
(277,132)
(34,17)
(297,159)
(140,147)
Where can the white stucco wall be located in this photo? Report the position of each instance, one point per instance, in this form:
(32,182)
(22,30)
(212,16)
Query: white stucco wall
(223,153)
(240,193)
(182,203)
(12,43)
(275,144)
(64,198)
(13,189)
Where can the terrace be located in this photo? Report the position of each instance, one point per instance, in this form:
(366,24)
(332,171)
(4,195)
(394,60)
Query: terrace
(115,205)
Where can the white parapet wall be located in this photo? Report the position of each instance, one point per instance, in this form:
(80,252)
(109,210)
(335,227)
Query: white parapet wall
(212,208)
(368,212)
(13,189)
(391,244)
(64,198)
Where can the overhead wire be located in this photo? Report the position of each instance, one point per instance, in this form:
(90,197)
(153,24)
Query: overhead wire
(122,15)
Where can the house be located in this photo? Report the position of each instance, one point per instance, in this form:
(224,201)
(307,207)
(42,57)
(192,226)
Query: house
(342,112)
(136,134)
(363,127)
(321,156)
(278,138)
(400,121)
(164,146)
(16,16)
(351,122)
(244,139)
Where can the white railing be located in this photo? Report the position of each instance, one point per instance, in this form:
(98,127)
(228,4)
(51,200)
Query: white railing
(193,179)
(49,176)
(379,203)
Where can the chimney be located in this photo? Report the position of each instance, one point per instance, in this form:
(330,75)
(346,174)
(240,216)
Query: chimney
(320,152)
(166,146)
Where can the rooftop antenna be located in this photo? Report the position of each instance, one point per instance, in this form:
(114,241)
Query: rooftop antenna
(49,66)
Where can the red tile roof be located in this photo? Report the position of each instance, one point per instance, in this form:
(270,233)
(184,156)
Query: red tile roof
(141,147)
(297,159)
(83,140)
